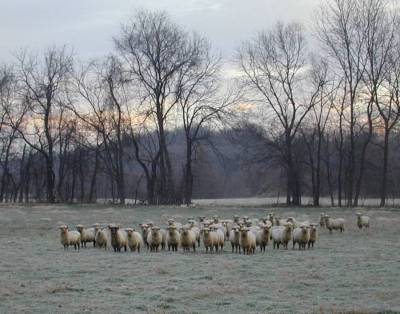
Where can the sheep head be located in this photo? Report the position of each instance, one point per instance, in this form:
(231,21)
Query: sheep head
(80,228)
(113,229)
(129,231)
(63,228)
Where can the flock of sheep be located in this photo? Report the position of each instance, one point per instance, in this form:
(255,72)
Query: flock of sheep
(244,234)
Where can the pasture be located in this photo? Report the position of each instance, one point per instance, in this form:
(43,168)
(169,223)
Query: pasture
(357,271)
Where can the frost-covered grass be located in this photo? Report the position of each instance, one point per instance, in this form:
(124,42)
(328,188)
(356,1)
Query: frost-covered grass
(357,271)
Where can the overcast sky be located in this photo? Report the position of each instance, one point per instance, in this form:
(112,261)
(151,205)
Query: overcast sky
(88,25)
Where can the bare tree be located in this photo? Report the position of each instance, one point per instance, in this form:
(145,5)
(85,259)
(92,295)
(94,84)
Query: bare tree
(382,73)
(200,104)
(100,87)
(156,51)
(43,84)
(342,31)
(274,64)
(9,113)
(316,123)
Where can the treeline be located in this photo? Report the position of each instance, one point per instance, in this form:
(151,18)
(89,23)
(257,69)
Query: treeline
(158,120)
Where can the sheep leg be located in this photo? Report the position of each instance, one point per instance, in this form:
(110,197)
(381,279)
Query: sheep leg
(194,247)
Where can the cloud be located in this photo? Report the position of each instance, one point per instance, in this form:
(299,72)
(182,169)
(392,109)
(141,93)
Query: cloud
(88,25)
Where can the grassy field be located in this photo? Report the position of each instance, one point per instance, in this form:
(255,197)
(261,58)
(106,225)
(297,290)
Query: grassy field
(355,271)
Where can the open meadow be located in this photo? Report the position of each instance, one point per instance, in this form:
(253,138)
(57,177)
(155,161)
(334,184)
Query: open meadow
(358,270)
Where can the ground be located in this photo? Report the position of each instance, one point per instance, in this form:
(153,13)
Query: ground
(355,271)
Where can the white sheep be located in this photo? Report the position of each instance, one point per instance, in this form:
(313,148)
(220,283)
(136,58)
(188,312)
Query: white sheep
(262,237)
(196,230)
(301,236)
(103,238)
(247,241)
(146,228)
(173,238)
(334,224)
(362,221)
(188,239)
(87,234)
(172,222)
(282,235)
(218,226)
(192,221)
(216,219)
(322,220)
(119,238)
(313,235)
(69,237)
(154,238)
(220,237)
(135,240)
(234,238)
(210,239)
(228,224)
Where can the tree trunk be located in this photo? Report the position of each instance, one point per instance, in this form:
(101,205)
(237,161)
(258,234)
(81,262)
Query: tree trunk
(94,177)
(328,172)
(188,188)
(292,179)
(50,178)
(340,168)
(73,182)
(81,177)
(363,157)
(385,166)
(318,171)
